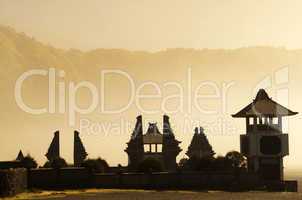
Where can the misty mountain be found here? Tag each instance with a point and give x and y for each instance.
(20, 52)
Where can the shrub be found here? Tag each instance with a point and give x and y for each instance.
(235, 160)
(232, 161)
(98, 165)
(56, 163)
(29, 162)
(197, 164)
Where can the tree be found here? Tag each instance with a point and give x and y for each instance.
(150, 165)
(232, 160)
(56, 163)
(29, 162)
(103, 163)
(196, 163)
(98, 165)
(235, 160)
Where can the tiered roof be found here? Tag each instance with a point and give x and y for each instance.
(200, 146)
(263, 105)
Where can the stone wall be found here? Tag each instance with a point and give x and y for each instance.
(12, 181)
(82, 178)
(188, 180)
(60, 179)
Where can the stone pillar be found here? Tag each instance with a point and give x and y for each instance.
(280, 123)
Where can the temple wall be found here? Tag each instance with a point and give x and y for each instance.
(82, 178)
(63, 178)
(12, 181)
(15, 181)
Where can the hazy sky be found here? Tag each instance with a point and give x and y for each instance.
(150, 25)
(157, 24)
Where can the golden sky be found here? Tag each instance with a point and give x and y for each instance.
(157, 24)
(150, 25)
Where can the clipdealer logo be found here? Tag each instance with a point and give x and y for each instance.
(188, 97)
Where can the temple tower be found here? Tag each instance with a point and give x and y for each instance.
(200, 146)
(153, 144)
(79, 152)
(264, 143)
(170, 147)
(135, 147)
(54, 148)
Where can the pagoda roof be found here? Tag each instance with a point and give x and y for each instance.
(200, 143)
(263, 105)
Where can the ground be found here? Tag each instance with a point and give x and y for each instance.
(94, 194)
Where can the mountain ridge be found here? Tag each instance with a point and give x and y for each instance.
(246, 67)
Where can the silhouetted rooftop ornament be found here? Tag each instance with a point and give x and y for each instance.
(153, 136)
(154, 144)
(263, 105)
(79, 154)
(54, 148)
(153, 129)
(20, 156)
(138, 130)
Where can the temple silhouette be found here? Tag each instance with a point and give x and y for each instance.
(264, 145)
(54, 148)
(200, 146)
(153, 144)
(79, 152)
